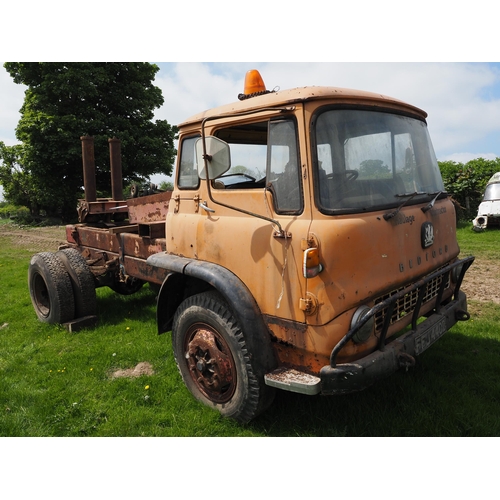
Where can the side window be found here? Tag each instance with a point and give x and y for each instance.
(188, 175)
(248, 143)
(283, 166)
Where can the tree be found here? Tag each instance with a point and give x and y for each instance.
(241, 169)
(17, 183)
(65, 101)
(166, 186)
(374, 169)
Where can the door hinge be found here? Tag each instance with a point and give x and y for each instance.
(177, 199)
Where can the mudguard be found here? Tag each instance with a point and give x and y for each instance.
(209, 275)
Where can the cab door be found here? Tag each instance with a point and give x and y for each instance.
(183, 213)
(257, 220)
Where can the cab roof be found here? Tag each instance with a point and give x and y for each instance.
(335, 95)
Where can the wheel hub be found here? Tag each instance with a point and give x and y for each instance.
(211, 364)
(41, 295)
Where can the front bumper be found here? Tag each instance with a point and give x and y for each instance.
(350, 377)
(389, 357)
(482, 222)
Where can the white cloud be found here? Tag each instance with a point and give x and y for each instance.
(11, 100)
(462, 100)
(190, 88)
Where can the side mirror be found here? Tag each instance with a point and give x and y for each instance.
(218, 157)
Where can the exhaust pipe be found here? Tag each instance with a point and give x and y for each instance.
(115, 160)
(88, 160)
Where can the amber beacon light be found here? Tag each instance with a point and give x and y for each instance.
(254, 85)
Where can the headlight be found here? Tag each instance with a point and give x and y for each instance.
(363, 334)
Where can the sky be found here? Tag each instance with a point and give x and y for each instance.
(462, 99)
(416, 56)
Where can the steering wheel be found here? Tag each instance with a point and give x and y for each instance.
(351, 175)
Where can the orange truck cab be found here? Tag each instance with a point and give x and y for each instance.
(310, 246)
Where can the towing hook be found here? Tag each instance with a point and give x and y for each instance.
(462, 315)
(405, 360)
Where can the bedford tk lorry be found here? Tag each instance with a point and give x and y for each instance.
(308, 245)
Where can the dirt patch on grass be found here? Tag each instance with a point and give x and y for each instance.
(143, 368)
(35, 239)
(482, 281)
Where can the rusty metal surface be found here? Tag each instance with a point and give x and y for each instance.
(293, 380)
(88, 161)
(128, 247)
(115, 160)
(101, 209)
(132, 244)
(210, 363)
(138, 268)
(152, 208)
(332, 95)
(416, 313)
(152, 230)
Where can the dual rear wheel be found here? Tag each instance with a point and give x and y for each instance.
(212, 353)
(61, 286)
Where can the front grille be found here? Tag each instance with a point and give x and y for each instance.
(406, 303)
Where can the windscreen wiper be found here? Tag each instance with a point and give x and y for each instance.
(431, 204)
(410, 196)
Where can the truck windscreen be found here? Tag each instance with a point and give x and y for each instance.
(367, 160)
(492, 192)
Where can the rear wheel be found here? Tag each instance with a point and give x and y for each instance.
(214, 360)
(82, 281)
(50, 289)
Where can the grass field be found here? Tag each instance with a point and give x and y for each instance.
(55, 383)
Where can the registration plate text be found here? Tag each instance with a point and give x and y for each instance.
(426, 338)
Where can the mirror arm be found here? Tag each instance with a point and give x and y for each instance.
(207, 158)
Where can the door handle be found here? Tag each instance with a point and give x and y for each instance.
(204, 206)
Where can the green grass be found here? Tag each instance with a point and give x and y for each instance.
(56, 383)
(484, 245)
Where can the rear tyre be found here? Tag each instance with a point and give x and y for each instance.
(82, 282)
(50, 289)
(213, 358)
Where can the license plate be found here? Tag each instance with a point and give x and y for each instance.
(426, 338)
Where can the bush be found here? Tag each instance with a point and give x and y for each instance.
(10, 211)
(466, 183)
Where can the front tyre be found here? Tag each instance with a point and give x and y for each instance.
(213, 358)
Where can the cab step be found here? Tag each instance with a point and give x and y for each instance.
(289, 379)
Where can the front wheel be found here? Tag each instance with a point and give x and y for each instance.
(213, 358)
